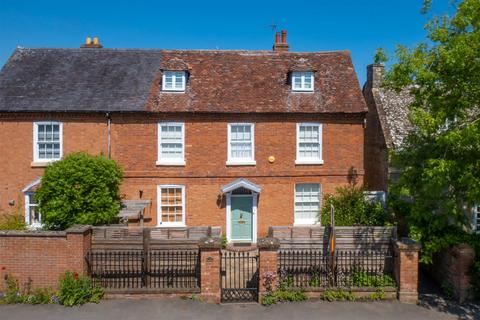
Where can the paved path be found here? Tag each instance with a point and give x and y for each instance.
(175, 308)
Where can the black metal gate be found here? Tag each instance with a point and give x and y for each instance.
(239, 276)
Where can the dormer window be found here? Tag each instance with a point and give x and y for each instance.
(173, 81)
(302, 81)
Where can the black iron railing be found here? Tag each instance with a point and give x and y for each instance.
(318, 269)
(130, 270)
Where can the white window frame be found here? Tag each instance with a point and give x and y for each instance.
(476, 218)
(159, 206)
(174, 77)
(240, 162)
(307, 161)
(302, 75)
(307, 222)
(35, 141)
(170, 162)
(29, 224)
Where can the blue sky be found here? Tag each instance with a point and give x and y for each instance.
(360, 26)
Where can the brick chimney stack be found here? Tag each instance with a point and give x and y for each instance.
(282, 45)
(89, 43)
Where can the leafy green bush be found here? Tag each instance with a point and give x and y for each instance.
(223, 241)
(351, 208)
(363, 279)
(79, 189)
(283, 295)
(379, 294)
(77, 290)
(12, 222)
(338, 295)
(13, 293)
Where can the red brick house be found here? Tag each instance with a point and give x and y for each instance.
(240, 139)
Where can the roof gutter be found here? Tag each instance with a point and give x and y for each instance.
(109, 123)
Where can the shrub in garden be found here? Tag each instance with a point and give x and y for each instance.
(79, 189)
(12, 222)
(283, 294)
(351, 208)
(77, 290)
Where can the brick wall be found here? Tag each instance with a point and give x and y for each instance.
(43, 256)
(406, 269)
(134, 146)
(451, 267)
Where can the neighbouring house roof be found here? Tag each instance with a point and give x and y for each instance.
(77, 80)
(241, 183)
(391, 106)
(128, 80)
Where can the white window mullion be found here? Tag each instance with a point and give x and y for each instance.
(47, 141)
(169, 199)
(302, 81)
(171, 143)
(241, 144)
(307, 203)
(309, 143)
(174, 80)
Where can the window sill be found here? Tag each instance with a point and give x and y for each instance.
(308, 162)
(307, 224)
(38, 164)
(241, 163)
(173, 91)
(169, 225)
(171, 163)
(302, 91)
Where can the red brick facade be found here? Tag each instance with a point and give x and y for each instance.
(134, 146)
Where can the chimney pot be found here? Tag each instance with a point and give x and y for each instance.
(91, 44)
(284, 36)
(281, 45)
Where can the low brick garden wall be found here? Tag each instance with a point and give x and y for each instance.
(41, 257)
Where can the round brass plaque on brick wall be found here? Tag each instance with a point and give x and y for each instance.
(271, 159)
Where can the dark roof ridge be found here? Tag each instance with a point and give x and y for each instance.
(158, 50)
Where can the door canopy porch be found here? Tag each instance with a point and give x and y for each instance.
(241, 183)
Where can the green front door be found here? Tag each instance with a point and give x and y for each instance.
(241, 215)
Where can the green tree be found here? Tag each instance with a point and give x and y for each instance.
(380, 56)
(79, 189)
(440, 159)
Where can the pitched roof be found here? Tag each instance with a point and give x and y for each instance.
(129, 80)
(76, 80)
(391, 107)
(393, 113)
(258, 81)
